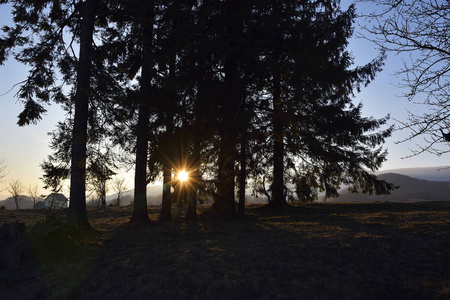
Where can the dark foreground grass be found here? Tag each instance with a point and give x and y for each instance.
(317, 251)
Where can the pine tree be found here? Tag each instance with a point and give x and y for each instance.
(320, 140)
(40, 27)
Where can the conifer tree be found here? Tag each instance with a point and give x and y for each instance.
(320, 140)
(39, 33)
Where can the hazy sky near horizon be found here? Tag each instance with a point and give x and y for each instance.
(24, 148)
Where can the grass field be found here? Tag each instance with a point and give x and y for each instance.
(316, 251)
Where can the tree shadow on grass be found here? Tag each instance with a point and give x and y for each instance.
(309, 252)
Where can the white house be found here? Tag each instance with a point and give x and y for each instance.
(56, 201)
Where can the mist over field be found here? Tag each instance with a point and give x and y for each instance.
(416, 184)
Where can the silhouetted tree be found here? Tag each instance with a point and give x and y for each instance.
(3, 170)
(99, 174)
(419, 29)
(16, 188)
(33, 193)
(119, 186)
(235, 18)
(77, 207)
(40, 32)
(319, 137)
(146, 20)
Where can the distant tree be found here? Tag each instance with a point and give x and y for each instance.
(119, 185)
(420, 29)
(33, 193)
(99, 174)
(16, 188)
(3, 170)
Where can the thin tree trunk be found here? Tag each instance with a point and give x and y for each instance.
(77, 208)
(167, 168)
(166, 195)
(194, 180)
(278, 197)
(179, 196)
(242, 172)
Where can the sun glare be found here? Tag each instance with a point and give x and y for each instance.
(183, 176)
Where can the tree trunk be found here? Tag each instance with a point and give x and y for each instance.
(166, 195)
(225, 202)
(167, 167)
(242, 173)
(140, 212)
(278, 197)
(179, 197)
(194, 180)
(77, 208)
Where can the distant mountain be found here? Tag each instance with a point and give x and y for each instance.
(429, 173)
(154, 196)
(411, 189)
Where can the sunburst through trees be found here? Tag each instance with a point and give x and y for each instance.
(252, 88)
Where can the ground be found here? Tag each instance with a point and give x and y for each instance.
(314, 251)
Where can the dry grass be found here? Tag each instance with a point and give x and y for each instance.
(317, 251)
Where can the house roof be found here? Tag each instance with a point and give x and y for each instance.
(56, 197)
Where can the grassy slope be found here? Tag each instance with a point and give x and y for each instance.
(318, 251)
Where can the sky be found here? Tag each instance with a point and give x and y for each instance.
(24, 148)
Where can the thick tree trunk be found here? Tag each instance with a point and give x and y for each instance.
(225, 202)
(77, 207)
(140, 212)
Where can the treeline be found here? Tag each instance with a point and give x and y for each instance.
(241, 93)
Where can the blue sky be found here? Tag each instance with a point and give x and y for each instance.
(25, 148)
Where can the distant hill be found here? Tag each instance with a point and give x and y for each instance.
(154, 196)
(411, 189)
(430, 173)
(25, 203)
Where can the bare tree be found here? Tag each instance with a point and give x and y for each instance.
(16, 188)
(3, 170)
(99, 174)
(119, 186)
(421, 28)
(33, 193)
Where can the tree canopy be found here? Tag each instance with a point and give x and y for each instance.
(222, 89)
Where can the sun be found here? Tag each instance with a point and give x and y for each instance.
(183, 176)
